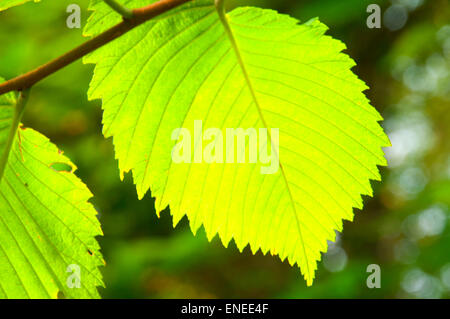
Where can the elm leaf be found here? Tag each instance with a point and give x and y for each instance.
(6, 4)
(47, 225)
(249, 68)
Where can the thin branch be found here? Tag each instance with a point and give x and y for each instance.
(140, 16)
(123, 11)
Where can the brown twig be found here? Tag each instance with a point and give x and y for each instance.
(140, 16)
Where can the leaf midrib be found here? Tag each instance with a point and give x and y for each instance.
(223, 17)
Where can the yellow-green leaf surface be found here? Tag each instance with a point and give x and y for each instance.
(252, 68)
(46, 221)
(6, 4)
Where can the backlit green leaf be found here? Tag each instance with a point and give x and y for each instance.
(5, 4)
(254, 68)
(47, 225)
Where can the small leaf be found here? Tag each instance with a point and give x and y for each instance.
(46, 221)
(46, 225)
(253, 68)
(6, 4)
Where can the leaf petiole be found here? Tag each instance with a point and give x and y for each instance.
(18, 113)
(123, 11)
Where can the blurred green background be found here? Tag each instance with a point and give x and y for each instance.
(405, 228)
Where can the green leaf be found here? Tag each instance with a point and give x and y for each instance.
(252, 68)
(6, 4)
(46, 221)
